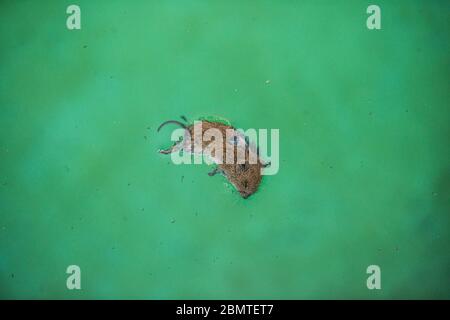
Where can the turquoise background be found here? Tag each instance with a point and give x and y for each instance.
(364, 175)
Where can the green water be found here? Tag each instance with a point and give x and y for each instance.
(364, 161)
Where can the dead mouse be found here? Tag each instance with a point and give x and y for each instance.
(244, 175)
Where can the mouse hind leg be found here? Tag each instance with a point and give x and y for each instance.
(176, 147)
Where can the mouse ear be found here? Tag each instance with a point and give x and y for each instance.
(265, 165)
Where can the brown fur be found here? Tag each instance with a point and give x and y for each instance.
(245, 177)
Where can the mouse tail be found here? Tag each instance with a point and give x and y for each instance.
(172, 121)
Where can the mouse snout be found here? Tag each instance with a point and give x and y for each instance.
(245, 194)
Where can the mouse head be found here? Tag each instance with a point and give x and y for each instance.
(247, 180)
